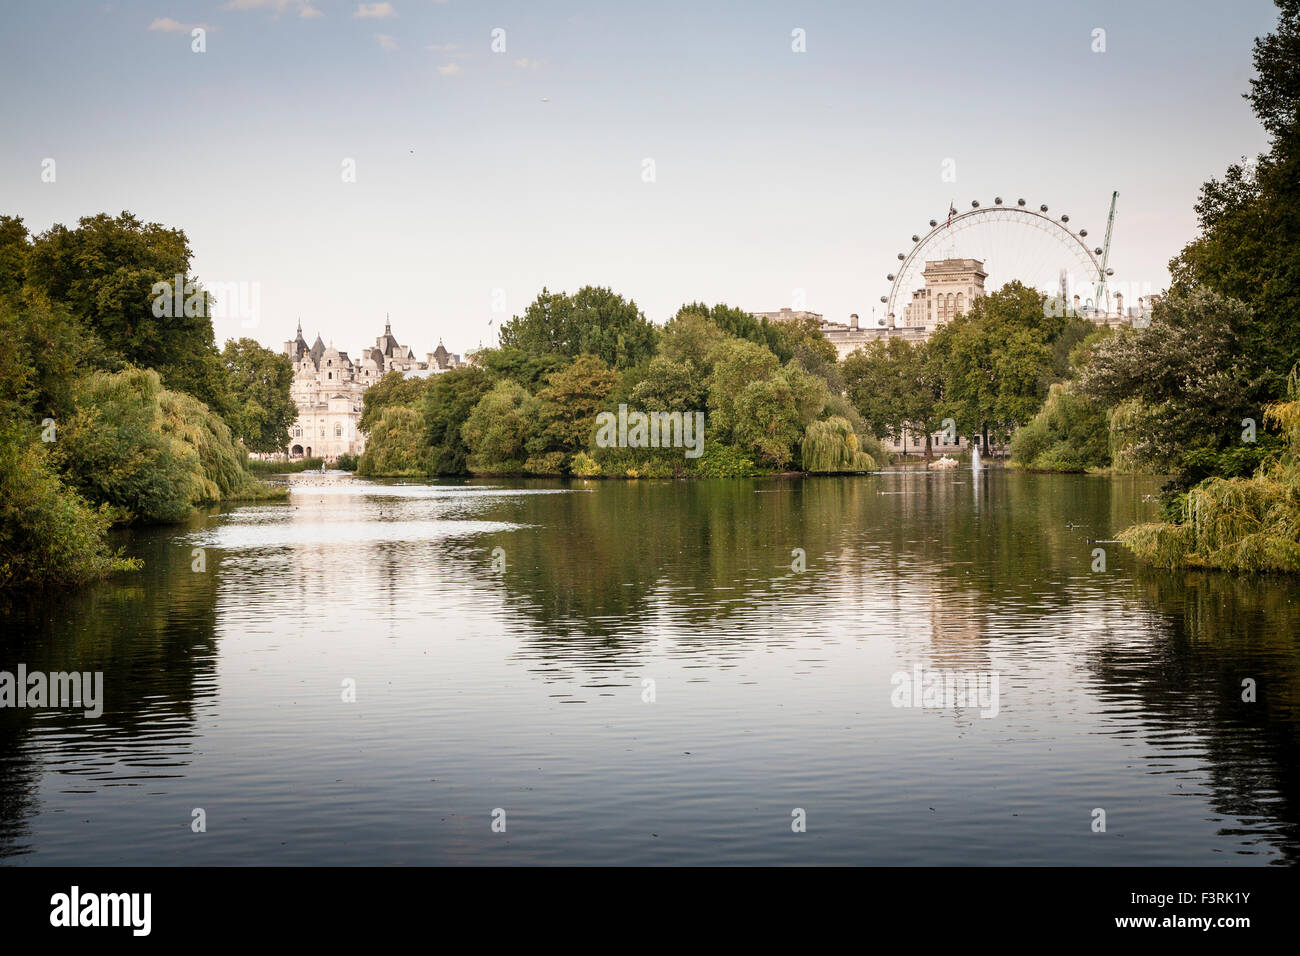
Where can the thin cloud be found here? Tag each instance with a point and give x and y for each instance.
(450, 69)
(527, 64)
(279, 6)
(168, 25)
(386, 41)
(452, 50)
(375, 11)
(305, 10)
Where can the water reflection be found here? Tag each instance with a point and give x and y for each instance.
(1120, 688)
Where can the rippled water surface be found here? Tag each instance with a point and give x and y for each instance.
(524, 687)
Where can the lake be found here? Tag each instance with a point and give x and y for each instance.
(655, 672)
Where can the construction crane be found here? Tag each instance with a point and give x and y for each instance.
(1104, 270)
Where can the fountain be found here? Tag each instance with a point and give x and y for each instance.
(975, 457)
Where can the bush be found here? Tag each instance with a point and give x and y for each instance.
(49, 534)
(346, 462)
(1236, 524)
(283, 466)
(584, 466)
(548, 463)
(1069, 433)
(722, 461)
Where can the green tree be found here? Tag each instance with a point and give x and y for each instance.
(497, 431)
(831, 447)
(669, 386)
(742, 325)
(49, 534)
(261, 407)
(104, 272)
(770, 415)
(805, 343)
(1186, 383)
(896, 387)
(567, 407)
(692, 337)
(520, 367)
(995, 362)
(1071, 432)
(393, 389)
(450, 400)
(593, 321)
(43, 351)
(397, 446)
(149, 452)
(736, 364)
(14, 244)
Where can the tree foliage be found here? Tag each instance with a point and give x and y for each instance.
(567, 407)
(49, 534)
(1070, 433)
(398, 445)
(896, 388)
(104, 272)
(497, 430)
(392, 389)
(149, 452)
(1236, 524)
(593, 321)
(261, 409)
(450, 400)
(1188, 385)
(997, 360)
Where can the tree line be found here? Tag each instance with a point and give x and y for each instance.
(770, 393)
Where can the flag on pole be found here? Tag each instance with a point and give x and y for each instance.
(952, 211)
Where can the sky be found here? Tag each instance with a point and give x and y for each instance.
(672, 151)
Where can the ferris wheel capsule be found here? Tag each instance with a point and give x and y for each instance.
(1097, 250)
(1020, 202)
(884, 298)
(933, 223)
(901, 256)
(1110, 272)
(1043, 208)
(997, 200)
(890, 277)
(1065, 219)
(1083, 233)
(974, 203)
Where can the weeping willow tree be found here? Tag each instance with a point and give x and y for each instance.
(1125, 444)
(832, 446)
(1237, 524)
(149, 453)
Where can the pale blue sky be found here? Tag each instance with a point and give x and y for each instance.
(478, 171)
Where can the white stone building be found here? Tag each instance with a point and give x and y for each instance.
(327, 388)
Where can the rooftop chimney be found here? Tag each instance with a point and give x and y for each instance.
(853, 321)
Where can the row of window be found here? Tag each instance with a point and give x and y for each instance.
(338, 431)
